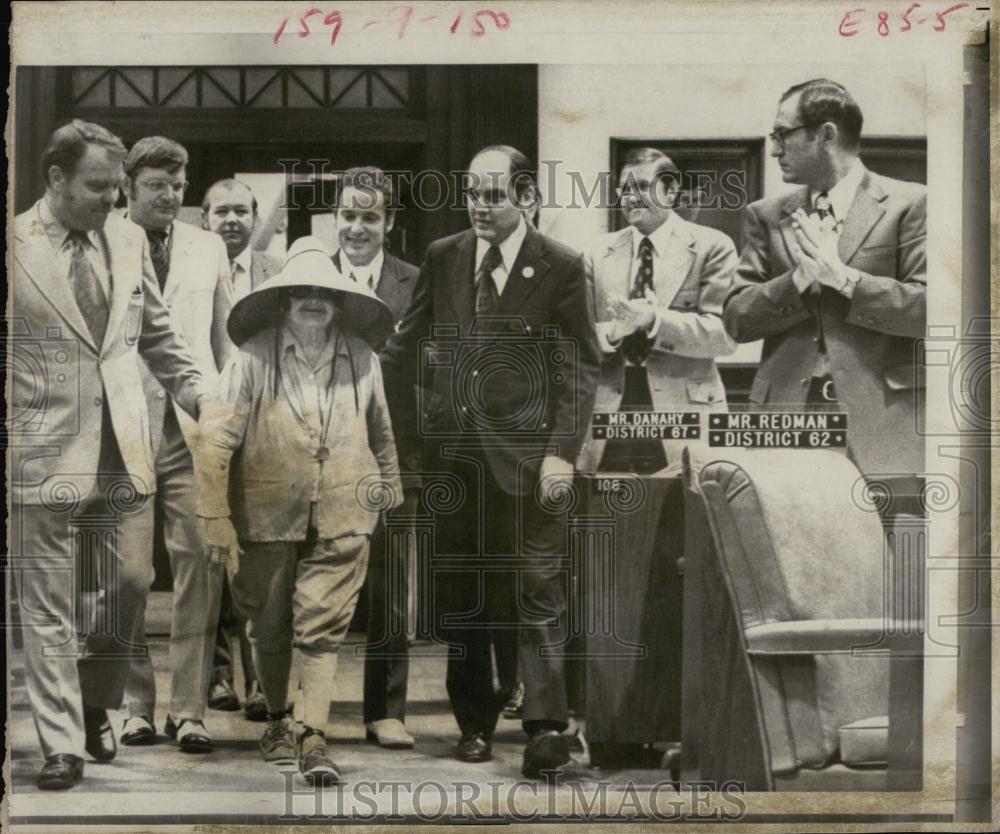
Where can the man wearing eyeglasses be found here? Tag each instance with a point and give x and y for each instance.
(189, 262)
(658, 287)
(833, 278)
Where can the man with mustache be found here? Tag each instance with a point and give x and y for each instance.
(84, 305)
(496, 309)
(188, 262)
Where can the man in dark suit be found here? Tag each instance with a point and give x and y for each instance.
(364, 217)
(500, 345)
(84, 306)
(833, 278)
(229, 209)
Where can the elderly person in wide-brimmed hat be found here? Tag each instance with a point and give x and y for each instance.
(303, 404)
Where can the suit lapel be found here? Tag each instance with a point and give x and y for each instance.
(120, 260)
(618, 266)
(180, 252)
(34, 252)
(462, 278)
(259, 271)
(390, 287)
(865, 211)
(527, 272)
(676, 262)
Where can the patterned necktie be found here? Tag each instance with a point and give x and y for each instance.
(487, 297)
(824, 210)
(160, 254)
(87, 290)
(636, 346)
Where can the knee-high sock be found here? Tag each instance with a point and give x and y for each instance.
(319, 670)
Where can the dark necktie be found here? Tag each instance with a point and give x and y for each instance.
(487, 297)
(635, 346)
(87, 290)
(160, 254)
(824, 210)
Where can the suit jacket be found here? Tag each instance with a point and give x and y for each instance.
(198, 265)
(871, 340)
(545, 351)
(262, 267)
(395, 284)
(59, 378)
(695, 277)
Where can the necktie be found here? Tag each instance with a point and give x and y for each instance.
(824, 210)
(160, 254)
(635, 346)
(87, 290)
(487, 297)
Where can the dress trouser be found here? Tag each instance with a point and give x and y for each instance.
(386, 655)
(196, 592)
(502, 569)
(232, 627)
(112, 526)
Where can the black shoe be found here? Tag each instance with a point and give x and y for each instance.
(138, 730)
(60, 772)
(100, 738)
(191, 735)
(546, 750)
(222, 696)
(255, 708)
(474, 748)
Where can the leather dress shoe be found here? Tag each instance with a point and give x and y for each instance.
(255, 708)
(474, 748)
(60, 772)
(138, 730)
(546, 750)
(389, 733)
(191, 735)
(222, 696)
(99, 737)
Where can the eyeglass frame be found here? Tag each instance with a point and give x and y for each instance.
(777, 137)
(158, 186)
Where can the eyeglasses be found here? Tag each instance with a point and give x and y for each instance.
(778, 137)
(305, 292)
(160, 186)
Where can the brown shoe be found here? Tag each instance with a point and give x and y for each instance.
(315, 763)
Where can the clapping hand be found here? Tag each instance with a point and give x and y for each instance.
(632, 314)
(818, 259)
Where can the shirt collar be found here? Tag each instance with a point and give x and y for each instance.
(372, 269)
(243, 260)
(842, 194)
(55, 230)
(508, 249)
(658, 237)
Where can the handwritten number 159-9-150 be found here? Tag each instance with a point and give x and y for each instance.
(477, 24)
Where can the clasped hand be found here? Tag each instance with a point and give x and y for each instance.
(222, 544)
(818, 260)
(630, 315)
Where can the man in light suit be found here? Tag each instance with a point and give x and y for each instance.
(833, 278)
(365, 215)
(84, 305)
(657, 288)
(188, 264)
(229, 209)
(500, 343)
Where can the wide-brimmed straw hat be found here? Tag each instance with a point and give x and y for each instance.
(308, 264)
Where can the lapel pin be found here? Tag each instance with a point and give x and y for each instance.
(528, 272)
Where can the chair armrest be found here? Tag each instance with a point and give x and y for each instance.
(816, 636)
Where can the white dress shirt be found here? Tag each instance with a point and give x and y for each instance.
(369, 274)
(842, 194)
(240, 267)
(62, 248)
(508, 254)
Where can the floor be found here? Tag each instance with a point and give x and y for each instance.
(232, 784)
